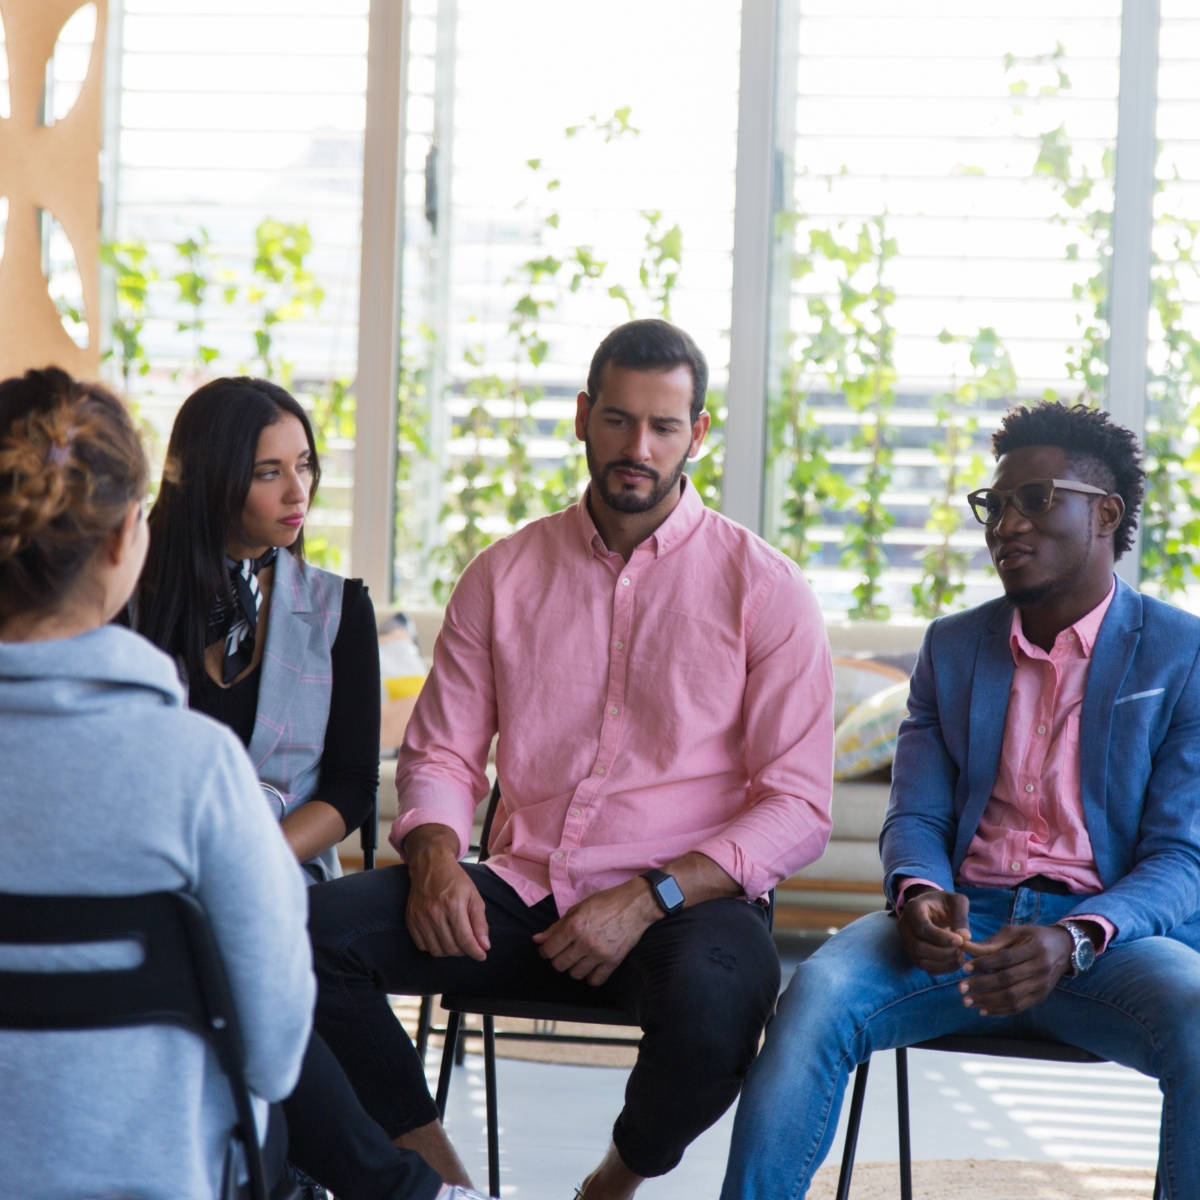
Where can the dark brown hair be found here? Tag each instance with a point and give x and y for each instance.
(71, 464)
(209, 468)
(650, 345)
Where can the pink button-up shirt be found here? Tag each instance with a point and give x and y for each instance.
(1033, 823)
(680, 701)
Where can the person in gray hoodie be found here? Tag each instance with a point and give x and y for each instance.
(110, 786)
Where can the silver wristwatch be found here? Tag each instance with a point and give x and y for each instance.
(1084, 953)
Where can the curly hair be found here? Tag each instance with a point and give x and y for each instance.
(71, 464)
(1098, 452)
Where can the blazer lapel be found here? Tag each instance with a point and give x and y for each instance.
(287, 648)
(989, 707)
(1112, 656)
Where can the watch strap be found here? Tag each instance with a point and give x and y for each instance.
(656, 878)
(1078, 937)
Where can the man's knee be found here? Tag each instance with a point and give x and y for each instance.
(719, 982)
(342, 910)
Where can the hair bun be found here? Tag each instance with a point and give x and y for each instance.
(35, 475)
(71, 463)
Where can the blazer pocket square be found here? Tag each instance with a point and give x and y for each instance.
(1139, 696)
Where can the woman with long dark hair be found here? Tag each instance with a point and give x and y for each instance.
(283, 653)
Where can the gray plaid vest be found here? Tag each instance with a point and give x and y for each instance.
(295, 688)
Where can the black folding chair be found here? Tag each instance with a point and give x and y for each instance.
(953, 1044)
(181, 981)
(368, 836)
(488, 1008)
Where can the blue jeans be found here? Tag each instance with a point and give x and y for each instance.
(1139, 1005)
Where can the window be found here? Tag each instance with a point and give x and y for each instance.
(233, 245)
(549, 195)
(948, 180)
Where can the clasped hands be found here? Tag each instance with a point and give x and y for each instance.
(1014, 969)
(445, 913)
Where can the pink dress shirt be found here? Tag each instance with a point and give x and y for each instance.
(680, 701)
(1034, 823)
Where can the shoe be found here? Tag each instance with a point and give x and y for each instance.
(458, 1192)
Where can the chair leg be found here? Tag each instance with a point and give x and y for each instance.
(424, 1021)
(452, 1039)
(493, 1111)
(856, 1107)
(902, 1113)
(1158, 1187)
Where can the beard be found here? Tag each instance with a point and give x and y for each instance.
(630, 502)
(1031, 597)
(1068, 579)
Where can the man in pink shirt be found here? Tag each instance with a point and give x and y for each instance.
(1041, 849)
(661, 685)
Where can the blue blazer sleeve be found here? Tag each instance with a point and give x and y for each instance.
(921, 824)
(1162, 890)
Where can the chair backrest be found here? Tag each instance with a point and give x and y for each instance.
(488, 820)
(181, 981)
(368, 835)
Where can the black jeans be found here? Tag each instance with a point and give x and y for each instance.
(701, 984)
(330, 1137)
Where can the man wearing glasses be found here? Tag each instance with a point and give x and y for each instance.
(1042, 846)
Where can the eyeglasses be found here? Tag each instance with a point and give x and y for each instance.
(1030, 499)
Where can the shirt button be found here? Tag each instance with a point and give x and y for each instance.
(559, 854)
(599, 770)
(577, 812)
(624, 582)
(612, 712)
(1015, 866)
(620, 645)
(1029, 787)
(1070, 637)
(1041, 729)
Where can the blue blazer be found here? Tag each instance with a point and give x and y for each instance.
(1139, 759)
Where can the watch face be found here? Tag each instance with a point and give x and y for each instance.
(670, 893)
(1085, 954)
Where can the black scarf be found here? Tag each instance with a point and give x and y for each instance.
(234, 618)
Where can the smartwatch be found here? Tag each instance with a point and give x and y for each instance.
(1084, 953)
(667, 892)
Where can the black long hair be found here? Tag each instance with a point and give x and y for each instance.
(206, 479)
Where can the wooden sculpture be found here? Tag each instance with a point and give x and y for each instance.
(54, 168)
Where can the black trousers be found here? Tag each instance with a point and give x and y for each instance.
(330, 1137)
(701, 985)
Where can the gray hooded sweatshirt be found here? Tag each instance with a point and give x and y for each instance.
(110, 786)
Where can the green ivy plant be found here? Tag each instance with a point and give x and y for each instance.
(132, 276)
(1170, 519)
(943, 568)
(852, 351)
(282, 288)
(193, 279)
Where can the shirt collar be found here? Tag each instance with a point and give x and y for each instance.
(1086, 629)
(684, 517)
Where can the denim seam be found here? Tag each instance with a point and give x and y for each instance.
(883, 1008)
(1165, 1125)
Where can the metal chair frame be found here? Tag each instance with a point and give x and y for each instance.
(952, 1044)
(181, 982)
(458, 1006)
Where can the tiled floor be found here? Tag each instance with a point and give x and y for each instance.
(555, 1119)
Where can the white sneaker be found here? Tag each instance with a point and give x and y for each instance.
(461, 1193)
